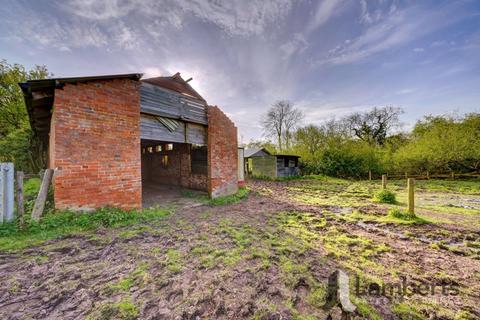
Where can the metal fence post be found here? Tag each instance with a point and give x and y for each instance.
(6, 192)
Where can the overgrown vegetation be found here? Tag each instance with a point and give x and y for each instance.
(366, 142)
(18, 144)
(385, 196)
(57, 224)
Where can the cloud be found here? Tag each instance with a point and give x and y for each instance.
(99, 10)
(234, 17)
(323, 13)
(297, 44)
(418, 50)
(405, 91)
(398, 28)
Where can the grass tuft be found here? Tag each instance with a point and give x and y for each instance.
(385, 196)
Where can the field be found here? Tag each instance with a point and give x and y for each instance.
(264, 256)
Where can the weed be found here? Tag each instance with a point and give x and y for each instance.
(401, 214)
(55, 225)
(241, 194)
(124, 310)
(385, 196)
(174, 261)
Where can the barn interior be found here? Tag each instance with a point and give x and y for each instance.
(169, 169)
(173, 130)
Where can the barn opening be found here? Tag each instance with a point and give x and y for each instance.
(173, 139)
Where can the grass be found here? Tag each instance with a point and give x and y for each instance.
(405, 311)
(31, 187)
(241, 194)
(385, 196)
(55, 225)
(124, 309)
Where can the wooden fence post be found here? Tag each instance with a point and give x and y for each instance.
(20, 206)
(411, 196)
(370, 175)
(42, 195)
(384, 181)
(453, 175)
(428, 175)
(406, 175)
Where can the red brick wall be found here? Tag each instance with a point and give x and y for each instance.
(178, 170)
(95, 145)
(222, 154)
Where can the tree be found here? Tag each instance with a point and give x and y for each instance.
(373, 126)
(17, 141)
(280, 122)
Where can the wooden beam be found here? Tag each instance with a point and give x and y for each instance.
(42, 195)
(20, 206)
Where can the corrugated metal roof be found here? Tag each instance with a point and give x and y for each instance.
(175, 83)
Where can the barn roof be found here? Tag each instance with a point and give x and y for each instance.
(175, 83)
(39, 95)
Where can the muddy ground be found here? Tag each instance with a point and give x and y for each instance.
(267, 257)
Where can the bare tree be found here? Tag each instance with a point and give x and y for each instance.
(280, 122)
(373, 126)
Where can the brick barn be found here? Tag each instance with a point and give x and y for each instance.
(111, 137)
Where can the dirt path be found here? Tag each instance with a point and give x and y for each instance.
(266, 258)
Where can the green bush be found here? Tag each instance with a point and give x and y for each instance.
(401, 214)
(385, 196)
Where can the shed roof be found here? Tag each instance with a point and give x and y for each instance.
(250, 152)
(175, 83)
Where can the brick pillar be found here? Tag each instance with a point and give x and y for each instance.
(222, 154)
(95, 145)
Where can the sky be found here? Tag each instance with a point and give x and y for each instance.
(329, 58)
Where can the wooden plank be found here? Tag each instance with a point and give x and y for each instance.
(42, 195)
(20, 205)
(158, 101)
(384, 181)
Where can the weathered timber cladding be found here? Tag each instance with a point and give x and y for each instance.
(287, 166)
(96, 145)
(265, 166)
(152, 129)
(157, 101)
(222, 154)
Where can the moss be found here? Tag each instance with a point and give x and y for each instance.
(123, 310)
(292, 270)
(405, 311)
(174, 261)
(365, 309)
(317, 296)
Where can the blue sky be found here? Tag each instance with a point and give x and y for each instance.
(328, 57)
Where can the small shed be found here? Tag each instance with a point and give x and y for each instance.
(259, 162)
